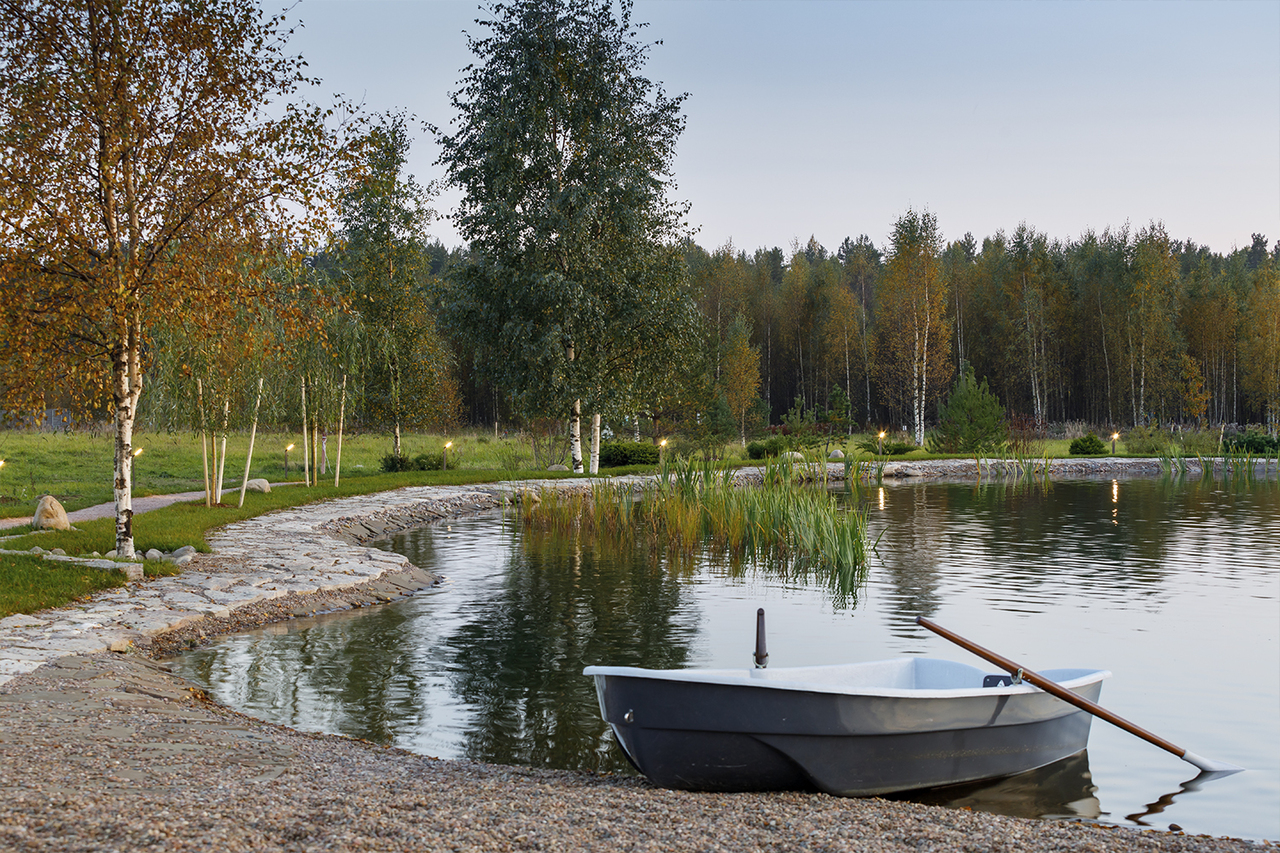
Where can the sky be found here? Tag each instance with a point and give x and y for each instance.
(832, 119)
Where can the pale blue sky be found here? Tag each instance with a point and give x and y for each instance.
(832, 118)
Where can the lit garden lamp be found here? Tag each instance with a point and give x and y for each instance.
(137, 453)
(1114, 436)
(662, 451)
(447, 445)
(880, 444)
(287, 448)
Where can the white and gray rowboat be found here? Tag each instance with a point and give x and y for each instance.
(851, 730)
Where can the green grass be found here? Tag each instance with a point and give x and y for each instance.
(28, 584)
(76, 468)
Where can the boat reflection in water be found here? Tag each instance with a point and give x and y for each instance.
(1063, 789)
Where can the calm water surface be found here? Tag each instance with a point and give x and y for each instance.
(1174, 587)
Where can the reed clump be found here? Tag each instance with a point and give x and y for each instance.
(695, 505)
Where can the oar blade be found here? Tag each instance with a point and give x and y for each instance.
(1208, 765)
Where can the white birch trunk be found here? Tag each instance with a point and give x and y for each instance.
(595, 443)
(575, 436)
(127, 382)
(342, 412)
(306, 446)
(222, 457)
(204, 444)
(253, 434)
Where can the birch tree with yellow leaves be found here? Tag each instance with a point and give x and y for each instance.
(152, 156)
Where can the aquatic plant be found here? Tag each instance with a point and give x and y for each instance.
(692, 505)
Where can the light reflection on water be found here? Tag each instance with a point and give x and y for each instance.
(1172, 586)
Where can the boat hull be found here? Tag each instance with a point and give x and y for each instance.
(758, 735)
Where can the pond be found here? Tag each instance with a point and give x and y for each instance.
(1172, 585)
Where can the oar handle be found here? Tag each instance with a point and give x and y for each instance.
(1052, 687)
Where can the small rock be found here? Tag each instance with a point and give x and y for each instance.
(836, 454)
(557, 468)
(58, 552)
(258, 485)
(50, 515)
(793, 456)
(120, 645)
(112, 554)
(36, 549)
(154, 554)
(185, 550)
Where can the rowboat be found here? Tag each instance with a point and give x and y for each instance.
(857, 729)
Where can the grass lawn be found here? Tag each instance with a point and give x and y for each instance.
(28, 584)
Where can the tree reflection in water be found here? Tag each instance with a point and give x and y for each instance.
(564, 603)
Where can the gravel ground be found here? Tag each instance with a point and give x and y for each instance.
(109, 752)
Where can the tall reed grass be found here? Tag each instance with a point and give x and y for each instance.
(779, 525)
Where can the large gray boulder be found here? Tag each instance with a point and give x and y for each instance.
(258, 485)
(50, 515)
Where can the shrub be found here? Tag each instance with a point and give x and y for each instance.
(392, 464)
(1255, 443)
(428, 462)
(1090, 445)
(1148, 441)
(617, 454)
(874, 446)
(768, 448)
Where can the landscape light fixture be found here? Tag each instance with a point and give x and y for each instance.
(287, 448)
(880, 444)
(137, 453)
(1114, 436)
(447, 445)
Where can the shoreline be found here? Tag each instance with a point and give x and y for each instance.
(107, 750)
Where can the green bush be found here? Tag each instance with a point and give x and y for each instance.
(1090, 445)
(1254, 443)
(392, 464)
(768, 448)
(618, 454)
(428, 462)
(874, 446)
(1147, 441)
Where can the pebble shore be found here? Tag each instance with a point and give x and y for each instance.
(103, 749)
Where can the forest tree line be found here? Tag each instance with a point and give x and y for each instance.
(1116, 329)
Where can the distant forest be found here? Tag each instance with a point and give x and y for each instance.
(1116, 329)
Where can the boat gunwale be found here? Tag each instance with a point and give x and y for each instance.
(745, 678)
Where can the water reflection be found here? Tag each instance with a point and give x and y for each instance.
(1063, 789)
(519, 656)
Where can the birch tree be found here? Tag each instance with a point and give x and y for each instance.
(911, 320)
(574, 287)
(149, 152)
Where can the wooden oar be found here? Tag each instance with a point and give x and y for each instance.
(1205, 764)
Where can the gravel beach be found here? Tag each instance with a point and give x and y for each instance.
(109, 751)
